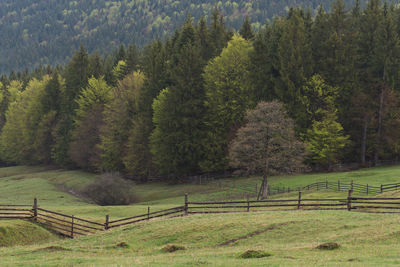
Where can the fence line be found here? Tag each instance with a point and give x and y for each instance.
(71, 226)
(339, 186)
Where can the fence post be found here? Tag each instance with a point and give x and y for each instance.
(248, 203)
(106, 227)
(317, 186)
(72, 226)
(338, 185)
(35, 206)
(382, 188)
(186, 204)
(367, 189)
(351, 185)
(148, 213)
(299, 202)
(326, 184)
(349, 200)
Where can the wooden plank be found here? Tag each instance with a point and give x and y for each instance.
(144, 219)
(69, 216)
(180, 208)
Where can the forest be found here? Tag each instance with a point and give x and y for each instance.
(173, 108)
(49, 31)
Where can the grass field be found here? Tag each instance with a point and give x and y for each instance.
(290, 237)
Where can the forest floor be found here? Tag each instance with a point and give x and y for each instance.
(289, 238)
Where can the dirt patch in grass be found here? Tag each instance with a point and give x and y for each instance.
(270, 228)
(52, 249)
(254, 254)
(122, 245)
(172, 248)
(19, 178)
(328, 246)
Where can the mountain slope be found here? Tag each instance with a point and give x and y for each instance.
(48, 31)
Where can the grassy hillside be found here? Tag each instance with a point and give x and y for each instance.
(19, 232)
(290, 237)
(59, 189)
(218, 240)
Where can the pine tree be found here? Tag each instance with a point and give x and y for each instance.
(76, 78)
(178, 111)
(246, 30)
(295, 63)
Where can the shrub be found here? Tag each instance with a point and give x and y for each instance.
(110, 189)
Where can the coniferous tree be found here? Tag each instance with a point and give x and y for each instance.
(295, 63)
(76, 78)
(178, 111)
(246, 31)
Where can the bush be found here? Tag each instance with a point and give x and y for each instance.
(110, 189)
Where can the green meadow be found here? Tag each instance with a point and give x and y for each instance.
(288, 238)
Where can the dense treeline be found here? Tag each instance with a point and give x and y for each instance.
(174, 107)
(47, 32)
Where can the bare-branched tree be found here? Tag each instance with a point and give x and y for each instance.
(267, 144)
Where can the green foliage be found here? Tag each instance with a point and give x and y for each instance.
(44, 33)
(176, 143)
(76, 78)
(118, 116)
(23, 118)
(88, 121)
(325, 140)
(228, 96)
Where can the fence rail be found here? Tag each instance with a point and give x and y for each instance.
(71, 226)
(338, 186)
(368, 204)
(144, 217)
(15, 211)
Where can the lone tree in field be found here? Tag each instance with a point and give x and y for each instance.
(266, 143)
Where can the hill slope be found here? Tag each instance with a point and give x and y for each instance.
(48, 31)
(290, 237)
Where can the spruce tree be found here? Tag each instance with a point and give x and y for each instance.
(178, 111)
(246, 30)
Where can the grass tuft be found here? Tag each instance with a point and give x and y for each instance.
(254, 254)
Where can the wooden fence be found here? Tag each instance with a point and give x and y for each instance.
(339, 186)
(143, 217)
(71, 226)
(366, 204)
(15, 211)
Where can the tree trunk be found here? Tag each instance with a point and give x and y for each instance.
(265, 179)
(364, 140)
(265, 187)
(379, 131)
